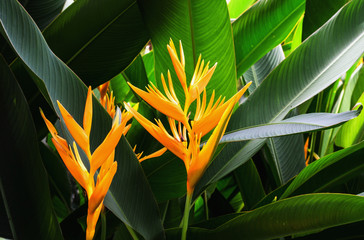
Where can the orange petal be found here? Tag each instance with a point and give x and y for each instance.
(176, 147)
(166, 107)
(154, 155)
(87, 115)
(76, 130)
(53, 131)
(101, 189)
(71, 164)
(199, 165)
(92, 218)
(100, 155)
(200, 84)
(177, 64)
(208, 122)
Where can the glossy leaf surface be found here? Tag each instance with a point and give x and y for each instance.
(63, 85)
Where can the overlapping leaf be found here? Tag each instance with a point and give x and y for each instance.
(63, 85)
(308, 70)
(23, 179)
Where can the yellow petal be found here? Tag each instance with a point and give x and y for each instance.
(199, 165)
(76, 130)
(101, 189)
(87, 115)
(209, 121)
(166, 107)
(176, 147)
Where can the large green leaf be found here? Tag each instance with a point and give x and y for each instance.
(286, 152)
(237, 7)
(262, 27)
(297, 124)
(105, 46)
(265, 65)
(63, 85)
(43, 11)
(250, 184)
(23, 179)
(300, 214)
(352, 131)
(328, 171)
(314, 19)
(201, 32)
(308, 70)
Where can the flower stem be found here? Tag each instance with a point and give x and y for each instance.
(103, 225)
(186, 215)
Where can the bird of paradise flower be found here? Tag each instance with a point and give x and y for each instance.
(186, 135)
(102, 158)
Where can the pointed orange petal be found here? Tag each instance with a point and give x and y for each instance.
(201, 84)
(101, 188)
(168, 108)
(53, 131)
(208, 122)
(177, 64)
(102, 152)
(199, 165)
(71, 164)
(176, 147)
(87, 115)
(76, 130)
(154, 155)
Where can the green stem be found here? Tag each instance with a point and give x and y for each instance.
(103, 226)
(132, 232)
(186, 215)
(206, 205)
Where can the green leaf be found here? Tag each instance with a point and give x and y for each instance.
(262, 27)
(105, 46)
(328, 171)
(260, 70)
(23, 182)
(297, 124)
(359, 87)
(312, 67)
(63, 85)
(314, 19)
(237, 7)
(286, 152)
(43, 11)
(250, 184)
(294, 215)
(201, 32)
(166, 176)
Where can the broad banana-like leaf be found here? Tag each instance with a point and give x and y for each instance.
(204, 28)
(23, 179)
(132, 201)
(262, 27)
(312, 67)
(297, 124)
(328, 171)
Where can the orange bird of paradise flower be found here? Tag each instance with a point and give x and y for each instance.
(102, 158)
(186, 135)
